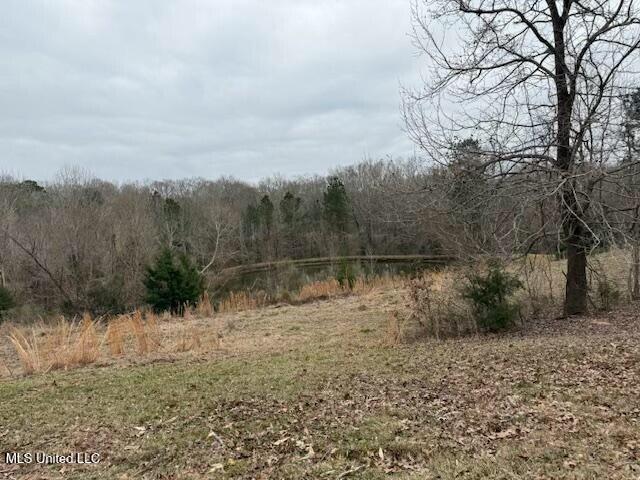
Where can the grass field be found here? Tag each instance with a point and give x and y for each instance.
(312, 391)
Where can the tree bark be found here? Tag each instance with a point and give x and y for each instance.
(575, 302)
(576, 289)
(635, 271)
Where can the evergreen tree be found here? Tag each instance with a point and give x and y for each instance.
(265, 213)
(290, 214)
(289, 207)
(172, 283)
(336, 206)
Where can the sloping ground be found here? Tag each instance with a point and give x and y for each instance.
(311, 392)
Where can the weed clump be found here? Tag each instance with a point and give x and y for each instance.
(436, 303)
(346, 276)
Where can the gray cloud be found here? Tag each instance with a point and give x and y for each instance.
(159, 89)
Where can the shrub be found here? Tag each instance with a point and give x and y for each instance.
(436, 303)
(107, 298)
(6, 301)
(173, 284)
(489, 294)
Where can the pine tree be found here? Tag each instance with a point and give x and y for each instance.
(336, 206)
(290, 215)
(265, 211)
(171, 284)
(289, 207)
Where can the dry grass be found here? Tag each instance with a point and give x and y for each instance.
(204, 308)
(364, 285)
(544, 279)
(146, 332)
(152, 326)
(115, 335)
(86, 348)
(26, 347)
(436, 302)
(241, 301)
(394, 331)
(139, 333)
(5, 369)
(66, 345)
(189, 339)
(320, 290)
(138, 336)
(558, 400)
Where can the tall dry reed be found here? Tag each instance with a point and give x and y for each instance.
(204, 308)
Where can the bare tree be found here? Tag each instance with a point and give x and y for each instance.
(533, 82)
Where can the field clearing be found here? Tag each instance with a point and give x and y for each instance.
(312, 391)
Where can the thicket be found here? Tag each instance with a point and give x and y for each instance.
(465, 300)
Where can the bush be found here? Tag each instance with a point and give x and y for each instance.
(173, 283)
(106, 298)
(489, 296)
(436, 303)
(6, 301)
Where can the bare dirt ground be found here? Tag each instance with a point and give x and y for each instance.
(313, 391)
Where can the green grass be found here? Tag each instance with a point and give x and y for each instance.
(559, 406)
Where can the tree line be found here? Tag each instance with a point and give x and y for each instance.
(79, 243)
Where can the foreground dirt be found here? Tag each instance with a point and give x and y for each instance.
(313, 392)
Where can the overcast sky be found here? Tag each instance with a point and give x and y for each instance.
(153, 89)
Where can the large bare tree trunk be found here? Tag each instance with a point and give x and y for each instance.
(576, 289)
(635, 271)
(576, 286)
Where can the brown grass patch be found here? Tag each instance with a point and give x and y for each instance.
(28, 352)
(188, 339)
(394, 331)
(146, 332)
(204, 308)
(64, 346)
(319, 290)
(115, 335)
(86, 348)
(241, 301)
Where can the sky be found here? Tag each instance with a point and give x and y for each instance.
(161, 89)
